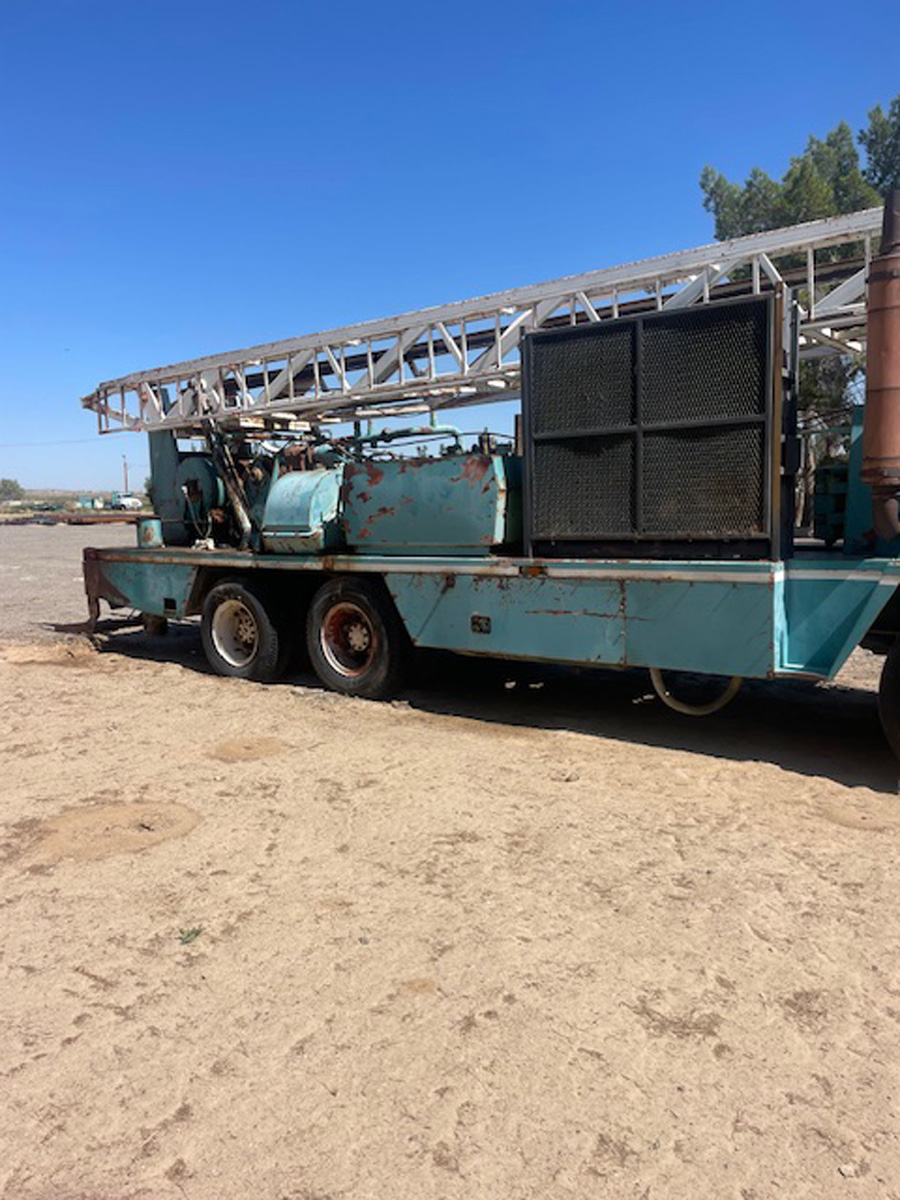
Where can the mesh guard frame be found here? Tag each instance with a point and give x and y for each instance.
(674, 457)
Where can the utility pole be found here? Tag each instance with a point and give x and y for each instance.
(125, 471)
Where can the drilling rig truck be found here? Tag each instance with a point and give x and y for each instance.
(640, 513)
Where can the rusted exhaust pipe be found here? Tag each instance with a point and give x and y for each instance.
(881, 425)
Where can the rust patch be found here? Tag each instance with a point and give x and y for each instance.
(373, 474)
(413, 464)
(97, 586)
(475, 468)
(563, 612)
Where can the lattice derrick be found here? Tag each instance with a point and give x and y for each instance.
(468, 352)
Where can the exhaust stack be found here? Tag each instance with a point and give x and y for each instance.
(881, 426)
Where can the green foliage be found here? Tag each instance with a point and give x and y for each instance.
(881, 142)
(11, 489)
(148, 489)
(825, 179)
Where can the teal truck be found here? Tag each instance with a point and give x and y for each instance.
(637, 509)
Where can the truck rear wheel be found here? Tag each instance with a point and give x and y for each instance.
(240, 638)
(356, 641)
(889, 698)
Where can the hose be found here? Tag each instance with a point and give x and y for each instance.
(694, 710)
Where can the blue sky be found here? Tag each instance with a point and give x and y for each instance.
(182, 178)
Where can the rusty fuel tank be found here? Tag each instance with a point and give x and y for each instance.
(881, 428)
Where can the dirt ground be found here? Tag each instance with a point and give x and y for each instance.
(529, 937)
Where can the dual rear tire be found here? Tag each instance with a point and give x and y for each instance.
(242, 634)
(355, 639)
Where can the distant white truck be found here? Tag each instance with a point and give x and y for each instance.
(130, 503)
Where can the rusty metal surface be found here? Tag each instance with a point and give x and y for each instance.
(148, 586)
(718, 617)
(97, 585)
(70, 518)
(150, 532)
(881, 439)
(463, 503)
(116, 518)
(881, 432)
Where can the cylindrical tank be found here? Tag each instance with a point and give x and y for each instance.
(881, 428)
(302, 514)
(149, 532)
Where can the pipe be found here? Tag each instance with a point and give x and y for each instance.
(233, 488)
(881, 425)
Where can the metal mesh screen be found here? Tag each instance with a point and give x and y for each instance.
(695, 481)
(705, 363)
(588, 484)
(652, 428)
(585, 382)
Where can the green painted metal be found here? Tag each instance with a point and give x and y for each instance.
(824, 607)
(860, 537)
(830, 501)
(715, 626)
(464, 503)
(302, 512)
(149, 532)
(638, 616)
(168, 502)
(161, 589)
(756, 620)
(434, 530)
(736, 618)
(200, 489)
(574, 621)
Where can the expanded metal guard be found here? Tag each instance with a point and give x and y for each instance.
(655, 429)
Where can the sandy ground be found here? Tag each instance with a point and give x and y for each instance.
(487, 941)
(40, 575)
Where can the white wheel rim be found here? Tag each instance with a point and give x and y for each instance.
(235, 633)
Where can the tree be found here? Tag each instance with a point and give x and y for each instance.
(824, 180)
(881, 142)
(11, 489)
